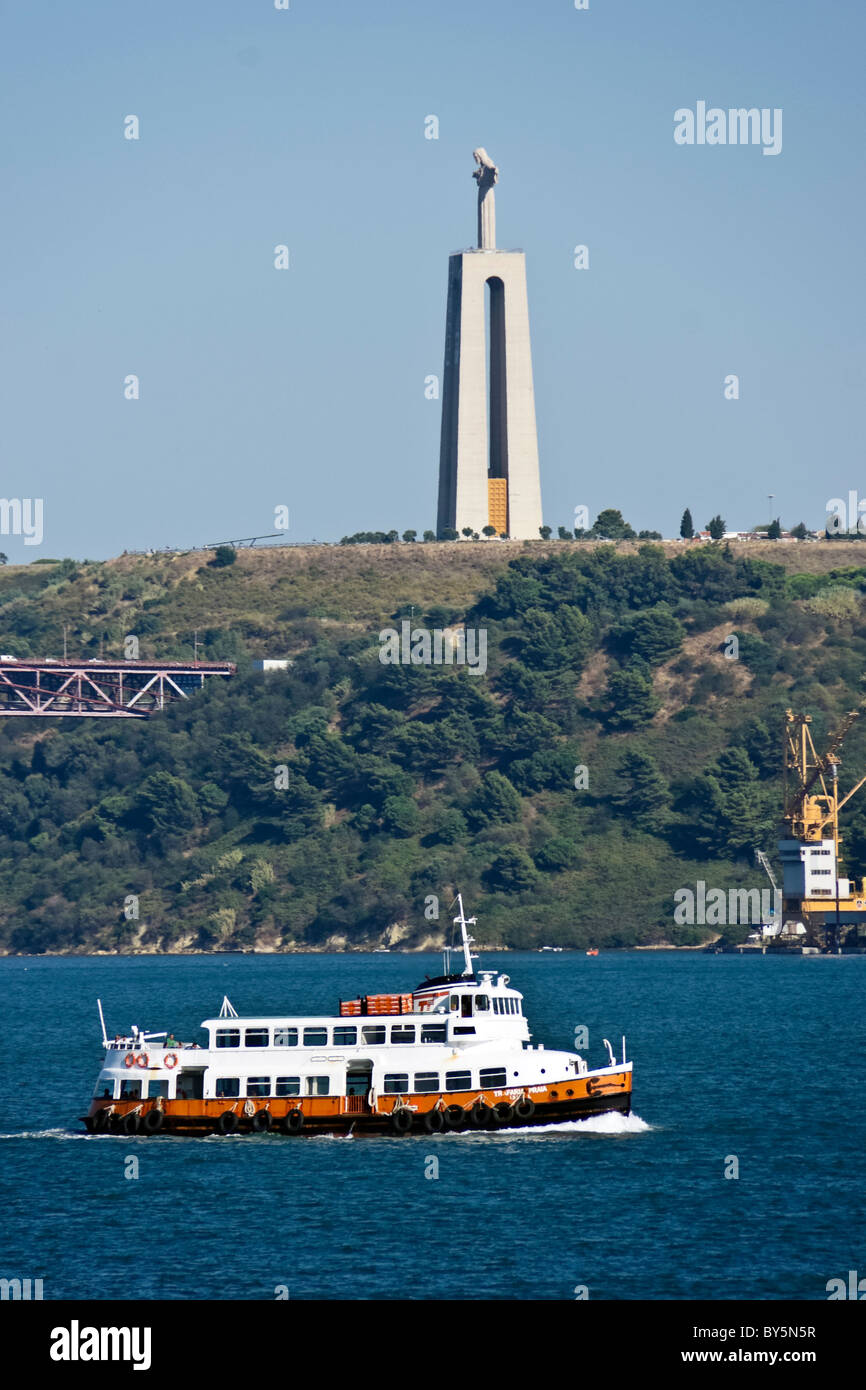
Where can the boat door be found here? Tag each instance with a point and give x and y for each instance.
(190, 1083)
(359, 1079)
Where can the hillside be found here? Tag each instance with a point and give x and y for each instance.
(325, 807)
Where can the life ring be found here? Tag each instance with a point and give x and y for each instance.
(170, 1061)
(261, 1122)
(525, 1108)
(153, 1121)
(293, 1122)
(401, 1120)
(480, 1114)
(434, 1121)
(455, 1116)
(142, 1060)
(129, 1060)
(227, 1122)
(503, 1113)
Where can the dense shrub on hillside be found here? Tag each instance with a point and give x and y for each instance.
(601, 760)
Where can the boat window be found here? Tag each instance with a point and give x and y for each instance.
(256, 1037)
(345, 1037)
(397, 1083)
(157, 1088)
(288, 1086)
(434, 1032)
(373, 1035)
(285, 1037)
(258, 1086)
(318, 1085)
(427, 1081)
(104, 1088)
(228, 1037)
(466, 1006)
(130, 1090)
(454, 1003)
(315, 1037)
(458, 1081)
(228, 1087)
(400, 1033)
(492, 1076)
(496, 1003)
(482, 1003)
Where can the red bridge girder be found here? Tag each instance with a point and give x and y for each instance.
(100, 689)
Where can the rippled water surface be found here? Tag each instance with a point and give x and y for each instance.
(759, 1060)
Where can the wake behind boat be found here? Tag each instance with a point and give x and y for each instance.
(454, 1053)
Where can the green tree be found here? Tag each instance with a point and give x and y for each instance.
(512, 871)
(211, 799)
(774, 530)
(611, 525)
(631, 700)
(497, 803)
(687, 526)
(167, 804)
(717, 527)
(224, 555)
(799, 531)
(654, 634)
(410, 535)
(489, 530)
(556, 854)
(400, 816)
(644, 797)
(545, 532)
(429, 535)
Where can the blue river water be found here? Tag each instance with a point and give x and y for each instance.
(754, 1060)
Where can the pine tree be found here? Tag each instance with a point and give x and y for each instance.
(645, 798)
(687, 526)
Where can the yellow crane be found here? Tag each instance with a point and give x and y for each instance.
(810, 847)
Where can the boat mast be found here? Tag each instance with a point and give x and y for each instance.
(463, 922)
(102, 1021)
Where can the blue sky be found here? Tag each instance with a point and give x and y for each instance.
(305, 387)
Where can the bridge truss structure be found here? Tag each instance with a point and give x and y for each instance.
(100, 689)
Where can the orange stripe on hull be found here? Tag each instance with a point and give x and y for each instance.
(561, 1100)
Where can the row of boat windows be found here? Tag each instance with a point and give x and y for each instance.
(464, 1002)
(395, 1083)
(372, 1035)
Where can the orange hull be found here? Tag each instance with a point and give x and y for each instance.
(576, 1098)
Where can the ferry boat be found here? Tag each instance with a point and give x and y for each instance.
(452, 1054)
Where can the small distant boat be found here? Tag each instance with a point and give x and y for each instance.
(550, 948)
(593, 951)
(381, 950)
